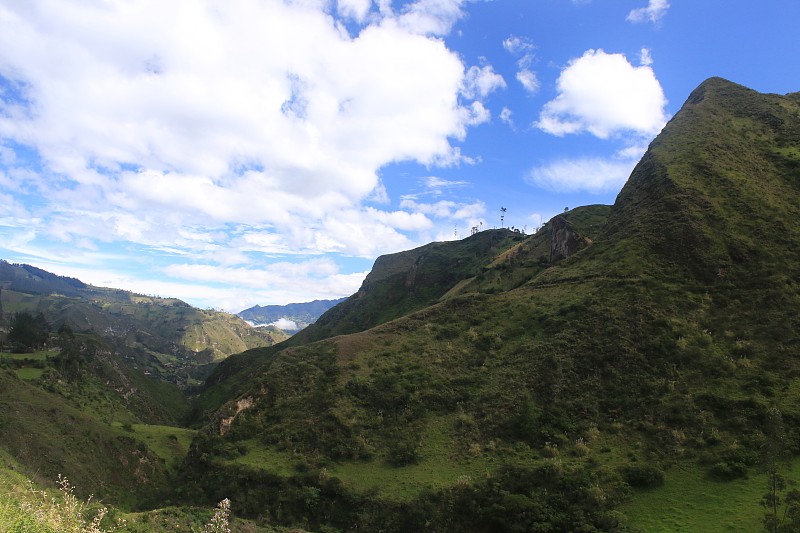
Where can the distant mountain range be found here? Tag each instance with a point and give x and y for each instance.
(290, 317)
(163, 337)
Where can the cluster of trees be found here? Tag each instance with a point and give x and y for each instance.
(28, 333)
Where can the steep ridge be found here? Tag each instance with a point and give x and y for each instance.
(715, 193)
(408, 281)
(671, 338)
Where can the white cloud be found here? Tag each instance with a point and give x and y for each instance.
(277, 283)
(653, 12)
(441, 209)
(590, 174)
(518, 45)
(156, 118)
(285, 324)
(645, 57)
(604, 94)
(446, 209)
(434, 182)
(523, 49)
(7, 155)
(506, 116)
(431, 17)
(632, 152)
(479, 82)
(528, 80)
(477, 114)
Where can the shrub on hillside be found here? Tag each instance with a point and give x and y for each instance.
(642, 476)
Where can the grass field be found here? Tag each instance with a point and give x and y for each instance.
(41, 355)
(37, 359)
(436, 468)
(262, 458)
(167, 442)
(29, 373)
(690, 502)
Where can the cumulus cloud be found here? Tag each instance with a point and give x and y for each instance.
(446, 209)
(434, 17)
(518, 45)
(653, 12)
(216, 134)
(604, 95)
(479, 82)
(506, 115)
(285, 324)
(477, 114)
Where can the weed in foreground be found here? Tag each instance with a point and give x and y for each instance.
(219, 522)
(67, 514)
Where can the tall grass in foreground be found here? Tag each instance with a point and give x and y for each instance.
(35, 511)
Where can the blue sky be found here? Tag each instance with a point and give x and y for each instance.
(267, 151)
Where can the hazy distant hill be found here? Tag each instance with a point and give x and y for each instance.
(301, 314)
(164, 337)
(529, 384)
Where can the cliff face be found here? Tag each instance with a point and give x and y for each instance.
(565, 241)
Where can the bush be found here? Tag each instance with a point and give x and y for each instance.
(402, 452)
(642, 476)
(727, 471)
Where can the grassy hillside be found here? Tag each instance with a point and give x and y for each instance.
(84, 405)
(542, 379)
(163, 337)
(49, 435)
(408, 281)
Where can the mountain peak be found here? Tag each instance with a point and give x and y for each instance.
(722, 170)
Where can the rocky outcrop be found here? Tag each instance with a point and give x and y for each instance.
(240, 405)
(565, 240)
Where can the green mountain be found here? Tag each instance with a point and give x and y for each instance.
(409, 281)
(510, 383)
(302, 314)
(163, 337)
